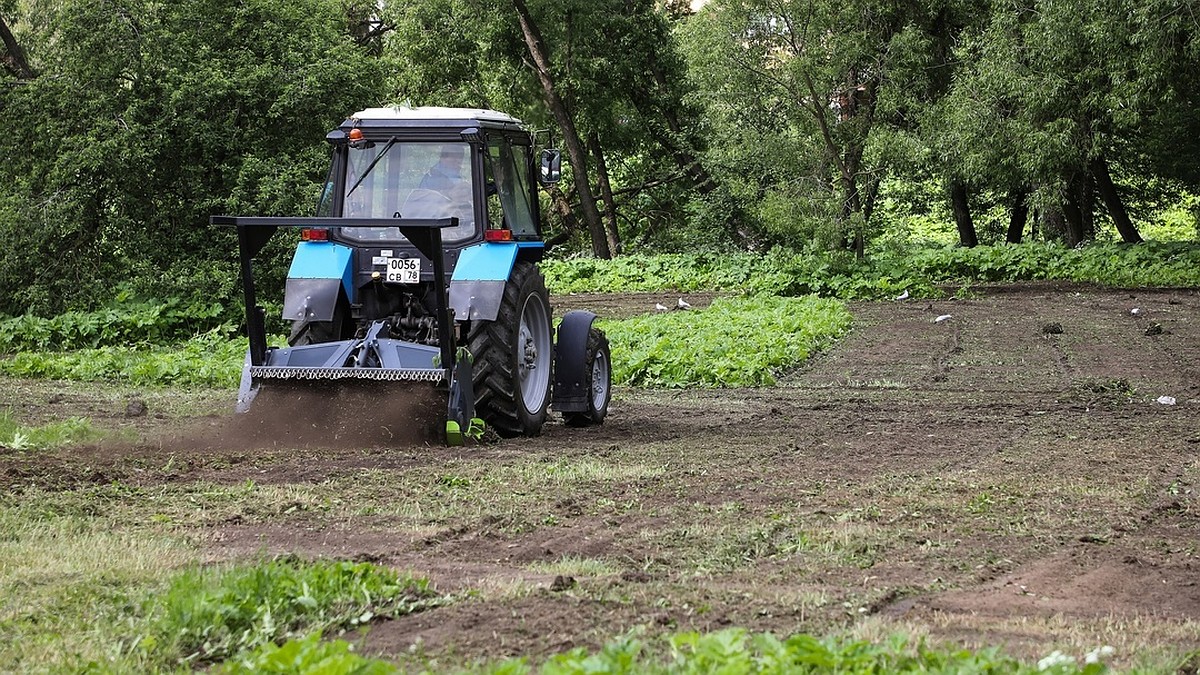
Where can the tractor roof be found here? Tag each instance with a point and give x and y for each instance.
(431, 119)
(434, 113)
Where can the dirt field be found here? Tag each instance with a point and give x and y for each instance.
(1006, 476)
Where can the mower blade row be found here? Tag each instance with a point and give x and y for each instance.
(434, 375)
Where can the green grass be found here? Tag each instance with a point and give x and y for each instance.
(70, 581)
(83, 592)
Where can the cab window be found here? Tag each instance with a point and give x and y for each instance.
(508, 183)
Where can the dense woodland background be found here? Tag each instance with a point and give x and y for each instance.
(846, 126)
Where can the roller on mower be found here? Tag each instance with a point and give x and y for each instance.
(421, 265)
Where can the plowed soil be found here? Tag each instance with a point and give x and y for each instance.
(1023, 473)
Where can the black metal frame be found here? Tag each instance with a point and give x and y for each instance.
(425, 234)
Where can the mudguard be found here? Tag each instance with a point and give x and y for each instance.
(482, 270)
(319, 274)
(570, 365)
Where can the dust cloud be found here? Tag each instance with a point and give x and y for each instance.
(333, 415)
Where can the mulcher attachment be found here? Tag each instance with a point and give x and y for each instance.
(368, 358)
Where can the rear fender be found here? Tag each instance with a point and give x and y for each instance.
(319, 275)
(570, 363)
(482, 270)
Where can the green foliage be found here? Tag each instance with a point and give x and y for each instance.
(1151, 264)
(675, 349)
(124, 322)
(1175, 222)
(54, 434)
(732, 651)
(149, 117)
(900, 267)
(615, 69)
(210, 359)
(736, 652)
(305, 656)
(779, 271)
(208, 614)
(734, 342)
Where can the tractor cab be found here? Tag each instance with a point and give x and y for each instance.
(473, 165)
(402, 164)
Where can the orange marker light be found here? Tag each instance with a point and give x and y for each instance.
(314, 234)
(355, 134)
(497, 235)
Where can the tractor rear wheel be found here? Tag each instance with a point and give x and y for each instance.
(597, 380)
(513, 357)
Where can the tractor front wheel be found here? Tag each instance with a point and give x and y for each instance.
(514, 356)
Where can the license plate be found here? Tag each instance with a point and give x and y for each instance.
(403, 270)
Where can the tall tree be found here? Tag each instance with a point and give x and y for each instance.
(539, 55)
(1053, 95)
(148, 118)
(13, 58)
(798, 94)
(587, 68)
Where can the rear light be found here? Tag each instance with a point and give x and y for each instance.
(497, 235)
(314, 234)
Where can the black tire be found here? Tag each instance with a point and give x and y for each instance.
(597, 379)
(316, 332)
(514, 356)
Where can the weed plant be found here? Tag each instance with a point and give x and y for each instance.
(207, 615)
(305, 655)
(52, 435)
(735, 342)
(198, 616)
(739, 344)
(211, 359)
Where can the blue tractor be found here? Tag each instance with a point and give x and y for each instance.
(421, 265)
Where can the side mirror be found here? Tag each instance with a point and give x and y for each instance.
(551, 167)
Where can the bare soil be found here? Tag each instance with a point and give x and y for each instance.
(1006, 476)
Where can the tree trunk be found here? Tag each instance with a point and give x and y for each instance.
(14, 57)
(1073, 217)
(872, 195)
(1019, 216)
(1054, 225)
(1112, 201)
(962, 215)
(575, 149)
(684, 157)
(1087, 208)
(610, 205)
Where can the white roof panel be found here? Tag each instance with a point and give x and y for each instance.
(433, 113)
